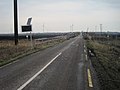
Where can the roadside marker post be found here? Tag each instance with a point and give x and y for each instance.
(31, 40)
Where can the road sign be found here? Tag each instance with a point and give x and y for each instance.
(29, 21)
(27, 28)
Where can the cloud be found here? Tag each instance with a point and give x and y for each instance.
(58, 15)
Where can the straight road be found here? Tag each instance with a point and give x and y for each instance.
(62, 67)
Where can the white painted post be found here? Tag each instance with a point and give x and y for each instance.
(31, 40)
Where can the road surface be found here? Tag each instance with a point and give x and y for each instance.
(63, 67)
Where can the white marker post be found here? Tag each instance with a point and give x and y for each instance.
(31, 40)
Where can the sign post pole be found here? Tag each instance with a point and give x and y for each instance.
(31, 40)
(28, 28)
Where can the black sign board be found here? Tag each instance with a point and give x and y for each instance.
(26, 28)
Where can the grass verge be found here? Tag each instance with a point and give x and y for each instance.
(11, 53)
(106, 63)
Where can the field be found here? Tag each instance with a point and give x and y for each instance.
(9, 52)
(106, 61)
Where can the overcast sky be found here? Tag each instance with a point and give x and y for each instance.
(59, 15)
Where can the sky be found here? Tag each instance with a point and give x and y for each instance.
(60, 15)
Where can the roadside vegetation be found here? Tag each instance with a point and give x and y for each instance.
(9, 52)
(106, 61)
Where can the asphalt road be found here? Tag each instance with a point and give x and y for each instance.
(62, 67)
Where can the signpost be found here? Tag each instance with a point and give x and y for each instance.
(28, 28)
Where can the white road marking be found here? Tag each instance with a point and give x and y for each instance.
(32, 78)
(68, 46)
(89, 78)
(72, 42)
(84, 51)
(84, 46)
(86, 57)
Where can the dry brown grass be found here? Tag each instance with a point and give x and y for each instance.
(8, 51)
(106, 64)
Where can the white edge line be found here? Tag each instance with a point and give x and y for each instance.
(31, 79)
(73, 42)
(84, 46)
(86, 57)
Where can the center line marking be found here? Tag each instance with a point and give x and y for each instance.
(89, 78)
(32, 78)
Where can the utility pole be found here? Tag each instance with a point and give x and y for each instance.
(95, 28)
(43, 28)
(95, 32)
(101, 29)
(72, 27)
(87, 31)
(15, 23)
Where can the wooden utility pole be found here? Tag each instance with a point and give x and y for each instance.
(15, 23)
(101, 29)
(43, 28)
